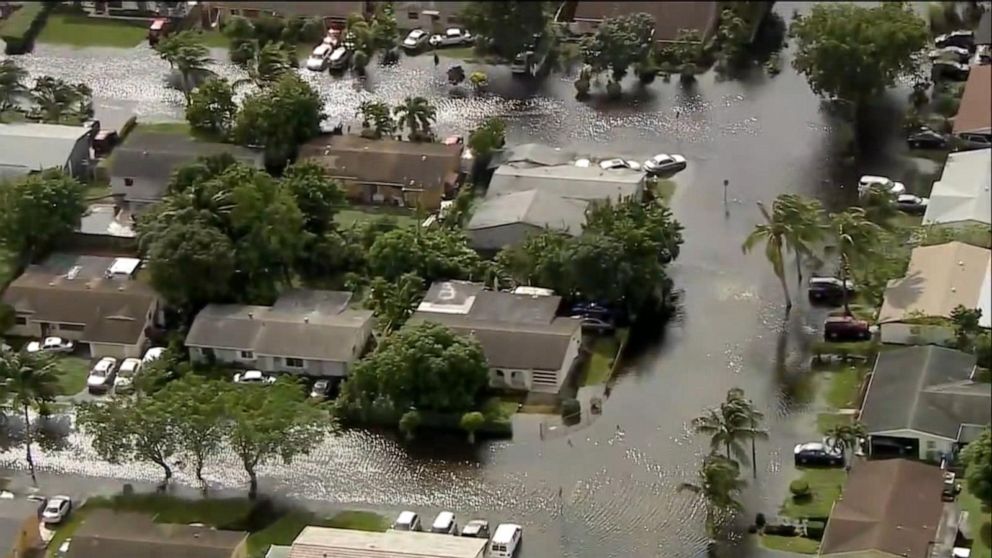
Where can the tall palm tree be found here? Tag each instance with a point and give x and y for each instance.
(856, 238)
(723, 426)
(805, 226)
(12, 85)
(719, 483)
(749, 419)
(879, 205)
(30, 382)
(846, 436)
(417, 114)
(268, 64)
(185, 53)
(772, 232)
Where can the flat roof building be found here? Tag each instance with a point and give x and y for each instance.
(323, 542)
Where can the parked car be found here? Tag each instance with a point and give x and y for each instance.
(950, 488)
(415, 39)
(818, 453)
(126, 373)
(960, 38)
(317, 61)
(974, 140)
(619, 164)
(333, 37)
(453, 36)
(102, 375)
(104, 142)
(321, 389)
(846, 328)
(893, 187)
(951, 70)
(954, 53)
(523, 63)
(925, 138)
(829, 290)
(339, 58)
(153, 353)
(51, 345)
(58, 508)
(407, 521)
(253, 377)
(158, 29)
(663, 163)
(445, 524)
(477, 528)
(909, 203)
(505, 540)
(598, 325)
(584, 163)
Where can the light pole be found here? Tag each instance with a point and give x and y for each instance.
(726, 183)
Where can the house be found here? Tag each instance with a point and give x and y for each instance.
(512, 218)
(526, 345)
(974, 118)
(131, 9)
(387, 171)
(916, 308)
(321, 542)
(141, 167)
(106, 228)
(961, 197)
(920, 400)
(532, 155)
(19, 533)
(669, 17)
(569, 181)
(93, 300)
(106, 534)
(305, 332)
(29, 147)
(983, 35)
(888, 509)
(329, 12)
(427, 15)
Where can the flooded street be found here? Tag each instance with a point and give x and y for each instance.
(609, 490)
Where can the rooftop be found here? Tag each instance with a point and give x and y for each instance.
(385, 161)
(316, 542)
(974, 112)
(533, 207)
(339, 10)
(26, 147)
(963, 192)
(532, 154)
(106, 534)
(568, 181)
(106, 220)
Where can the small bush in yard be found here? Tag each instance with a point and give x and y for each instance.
(814, 529)
(799, 489)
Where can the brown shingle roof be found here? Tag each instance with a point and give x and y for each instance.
(975, 110)
(892, 506)
(669, 17)
(340, 10)
(400, 163)
(106, 534)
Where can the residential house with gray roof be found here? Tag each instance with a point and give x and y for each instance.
(430, 16)
(141, 167)
(532, 155)
(26, 148)
(528, 347)
(109, 534)
(923, 403)
(307, 332)
(589, 184)
(512, 218)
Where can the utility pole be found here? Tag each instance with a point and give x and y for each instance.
(726, 183)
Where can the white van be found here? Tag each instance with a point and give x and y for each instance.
(445, 524)
(407, 521)
(505, 540)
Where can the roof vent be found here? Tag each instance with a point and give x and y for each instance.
(251, 315)
(306, 319)
(73, 272)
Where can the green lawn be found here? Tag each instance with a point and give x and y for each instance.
(96, 191)
(358, 520)
(826, 486)
(219, 512)
(72, 372)
(65, 530)
(980, 522)
(213, 38)
(603, 350)
(845, 385)
(356, 213)
(82, 31)
(826, 421)
(799, 545)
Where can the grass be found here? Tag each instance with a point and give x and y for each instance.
(72, 373)
(603, 351)
(980, 522)
(358, 214)
(826, 421)
(825, 485)
(175, 128)
(218, 512)
(845, 385)
(83, 31)
(96, 191)
(359, 521)
(213, 38)
(498, 409)
(66, 529)
(800, 545)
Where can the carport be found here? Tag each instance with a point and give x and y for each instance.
(885, 447)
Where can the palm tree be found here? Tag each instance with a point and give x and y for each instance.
(805, 220)
(719, 483)
(417, 114)
(723, 426)
(846, 436)
(772, 232)
(12, 85)
(268, 64)
(31, 383)
(856, 238)
(750, 421)
(376, 119)
(57, 99)
(879, 205)
(188, 55)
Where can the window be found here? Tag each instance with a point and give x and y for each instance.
(247, 355)
(931, 444)
(71, 327)
(294, 362)
(129, 182)
(413, 15)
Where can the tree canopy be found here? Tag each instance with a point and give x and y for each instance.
(280, 117)
(212, 108)
(432, 253)
(505, 27)
(37, 210)
(978, 467)
(619, 42)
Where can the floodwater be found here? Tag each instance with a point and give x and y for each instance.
(609, 490)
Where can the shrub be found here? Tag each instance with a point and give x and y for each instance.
(799, 489)
(814, 529)
(312, 30)
(780, 530)
(23, 26)
(239, 28)
(760, 521)
(570, 407)
(946, 105)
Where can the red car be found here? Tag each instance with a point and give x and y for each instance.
(159, 28)
(846, 328)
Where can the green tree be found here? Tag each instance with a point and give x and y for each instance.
(268, 65)
(318, 196)
(424, 366)
(384, 28)
(200, 422)
(470, 422)
(967, 326)
(12, 86)
(880, 207)
(192, 264)
(393, 302)
(804, 226)
(359, 61)
(377, 121)
(505, 28)
(37, 211)
(855, 238)
(435, 253)
(720, 485)
(853, 53)
(416, 114)
(846, 437)
(238, 27)
(479, 80)
(280, 117)
(978, 467)
(58, 101)
(724, 427)
(28, 382)
(212, 108)
(749, 421)
(487, 138)
(619, 42)
(272, 421)
(188, 56)
(983, 350)
(409, 423)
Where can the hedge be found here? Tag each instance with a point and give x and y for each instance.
(23, 26)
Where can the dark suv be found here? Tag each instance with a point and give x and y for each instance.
(829, 290)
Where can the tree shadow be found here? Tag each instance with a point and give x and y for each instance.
(51, 433)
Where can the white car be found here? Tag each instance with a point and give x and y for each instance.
(102, 374)
(407, 521)
(58, 508)
(253, 377)
(51, 345)
(318, 58)
(619, 164)
(151, 354)
(663, 163)
(126, 373)
(584, 163)
(452, 36)
(892, 187)
(445, 524)
(415, 39)
(957, 54)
